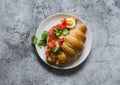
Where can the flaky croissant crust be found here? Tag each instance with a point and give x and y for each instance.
(74, 42)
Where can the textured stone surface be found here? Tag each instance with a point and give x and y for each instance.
(21, 65)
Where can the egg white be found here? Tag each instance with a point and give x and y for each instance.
(73, 22)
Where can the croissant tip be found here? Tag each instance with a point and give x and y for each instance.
(82, 28)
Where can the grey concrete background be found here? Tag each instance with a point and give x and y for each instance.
(21, 65)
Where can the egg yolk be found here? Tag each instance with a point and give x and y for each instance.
(69, 22)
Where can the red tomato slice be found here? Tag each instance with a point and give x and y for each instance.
(62, 25)
(50, 38)
(47, 53)
(64, 22)
(50, 45)
(60, 42)
(54, 43)
(51, 31)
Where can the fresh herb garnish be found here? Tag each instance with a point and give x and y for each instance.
(34, 40)
(53, 55)
(42, 41)
(57, 32)
(59, 50)
(52, 50)
(60, 31)
(44, 35)
(65, 32)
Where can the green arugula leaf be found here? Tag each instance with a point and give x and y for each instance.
(34, 40)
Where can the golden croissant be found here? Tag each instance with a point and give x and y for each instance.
(72, 43)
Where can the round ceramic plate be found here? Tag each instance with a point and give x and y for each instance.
(53, 20)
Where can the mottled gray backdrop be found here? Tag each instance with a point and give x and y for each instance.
(21, 65)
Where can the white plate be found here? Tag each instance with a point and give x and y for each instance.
(53, 20)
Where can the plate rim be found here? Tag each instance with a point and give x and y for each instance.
(69, 67)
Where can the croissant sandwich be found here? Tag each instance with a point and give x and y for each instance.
(64, 41)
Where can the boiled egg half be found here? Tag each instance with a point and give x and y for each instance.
(70, 22)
